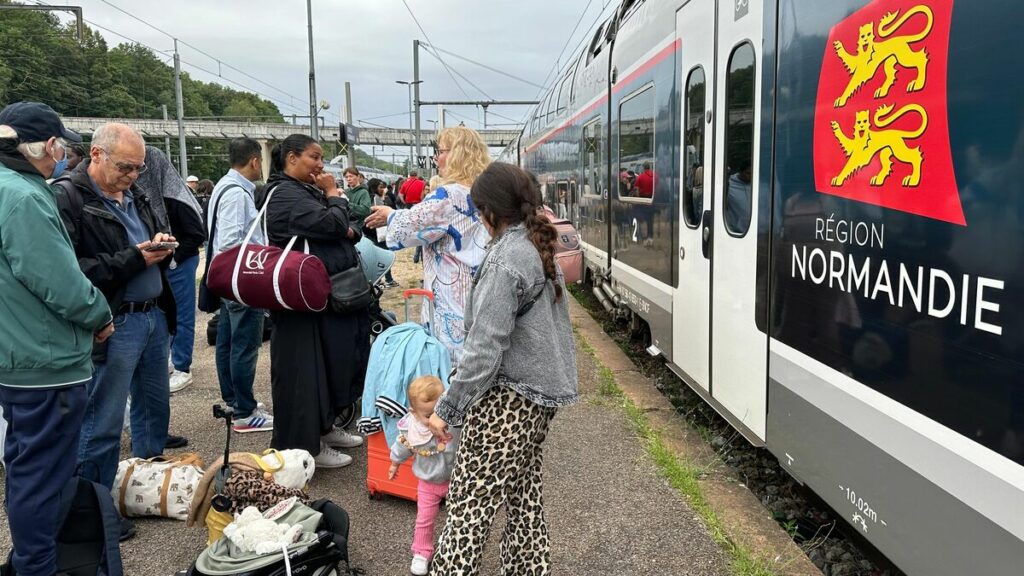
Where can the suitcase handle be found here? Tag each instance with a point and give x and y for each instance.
(428, 295)
(418, 292)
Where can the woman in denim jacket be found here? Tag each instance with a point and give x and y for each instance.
(518, 366)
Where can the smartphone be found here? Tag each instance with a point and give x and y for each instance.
(161, 246)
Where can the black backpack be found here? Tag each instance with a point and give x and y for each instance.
(87, 544)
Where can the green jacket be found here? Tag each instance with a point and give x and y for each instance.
(49, 310)
(358, 205)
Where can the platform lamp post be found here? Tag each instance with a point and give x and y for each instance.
(411, 145)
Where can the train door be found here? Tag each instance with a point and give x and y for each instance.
(739, 358)
(691, 307)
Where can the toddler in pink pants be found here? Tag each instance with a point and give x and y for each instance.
(433, 464)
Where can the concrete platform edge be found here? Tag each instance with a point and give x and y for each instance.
(745, 520)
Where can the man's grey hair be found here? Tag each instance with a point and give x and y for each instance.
(107, 136)
(30, 150)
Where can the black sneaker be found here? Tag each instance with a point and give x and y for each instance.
(175, 441)
(391, 284)
(127, 530)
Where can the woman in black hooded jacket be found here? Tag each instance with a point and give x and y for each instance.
(317, 360)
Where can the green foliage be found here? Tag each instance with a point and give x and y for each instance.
(42, 60)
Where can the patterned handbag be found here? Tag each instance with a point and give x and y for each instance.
(161, 486)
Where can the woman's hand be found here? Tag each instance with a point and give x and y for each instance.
(392, 471)
(325, 181)
(378, 216)
(440, 428)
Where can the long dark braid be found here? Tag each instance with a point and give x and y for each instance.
(507, 195)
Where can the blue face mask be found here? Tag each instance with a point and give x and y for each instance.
(61, 165)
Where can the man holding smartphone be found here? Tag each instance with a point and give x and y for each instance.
(117, 235)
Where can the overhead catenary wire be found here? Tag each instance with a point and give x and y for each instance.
(486, 67)
(579, 45)
(427, 38)
(459, 74)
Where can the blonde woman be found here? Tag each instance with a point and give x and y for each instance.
(448, 227)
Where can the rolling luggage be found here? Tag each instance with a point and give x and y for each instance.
(568, 255)
(399, 354)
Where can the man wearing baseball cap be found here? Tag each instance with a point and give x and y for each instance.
(51, 314)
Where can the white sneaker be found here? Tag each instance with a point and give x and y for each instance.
(170, 367)
(331, 458)
(339, 438)
(180, 380)
(420, 565)
(259, 421)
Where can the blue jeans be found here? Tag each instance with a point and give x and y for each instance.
(136, 362)
(42, 441)
(239, 337)
(183, 283)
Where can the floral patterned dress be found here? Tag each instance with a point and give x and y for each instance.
(454, 240)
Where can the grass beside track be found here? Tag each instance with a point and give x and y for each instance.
(682, 475)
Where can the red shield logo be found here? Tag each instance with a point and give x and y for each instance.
(881, 130)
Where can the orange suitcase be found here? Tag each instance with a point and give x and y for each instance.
(378, 460)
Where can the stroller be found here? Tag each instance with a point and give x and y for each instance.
(319, 554)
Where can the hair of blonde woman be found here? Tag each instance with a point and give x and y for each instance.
(435, 182)
(426, 388)
(467, 154)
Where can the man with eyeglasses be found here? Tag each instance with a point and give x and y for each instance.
(122, 243)
(51, 314)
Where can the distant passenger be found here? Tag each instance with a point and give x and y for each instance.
(447, 226)
(192, 182)
(738, 199)
(76, 153)
(412, 190)
(645, 182)
(358, 197)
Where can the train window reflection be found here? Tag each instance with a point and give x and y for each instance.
(636, 170)
(563, 94)
(693, 148)
(593, 157)
(739, 140)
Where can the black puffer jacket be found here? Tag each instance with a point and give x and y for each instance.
(299, 209)
(106, 256)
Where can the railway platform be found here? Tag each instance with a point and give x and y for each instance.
(610, 510)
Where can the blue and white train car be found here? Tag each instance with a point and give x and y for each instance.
(816, 212)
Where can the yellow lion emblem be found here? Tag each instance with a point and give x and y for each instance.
(866, 143)
(872, 53)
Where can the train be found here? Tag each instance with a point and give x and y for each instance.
(814, 212)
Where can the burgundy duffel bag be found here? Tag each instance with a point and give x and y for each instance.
(268, 277)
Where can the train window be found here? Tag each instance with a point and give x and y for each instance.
(636, 173)
(739, 140)
(593, 158)
(549, 107)
(563, 94)
(693, 143)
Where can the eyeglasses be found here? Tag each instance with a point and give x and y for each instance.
(440, 151)
(125, 167)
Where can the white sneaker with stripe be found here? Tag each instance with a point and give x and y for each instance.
(259, 421)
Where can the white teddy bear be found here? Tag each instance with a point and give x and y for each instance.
(298, 468)
(251, 532)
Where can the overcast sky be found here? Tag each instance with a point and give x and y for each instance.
(365, 42)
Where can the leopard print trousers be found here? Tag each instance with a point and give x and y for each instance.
(500, 462)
